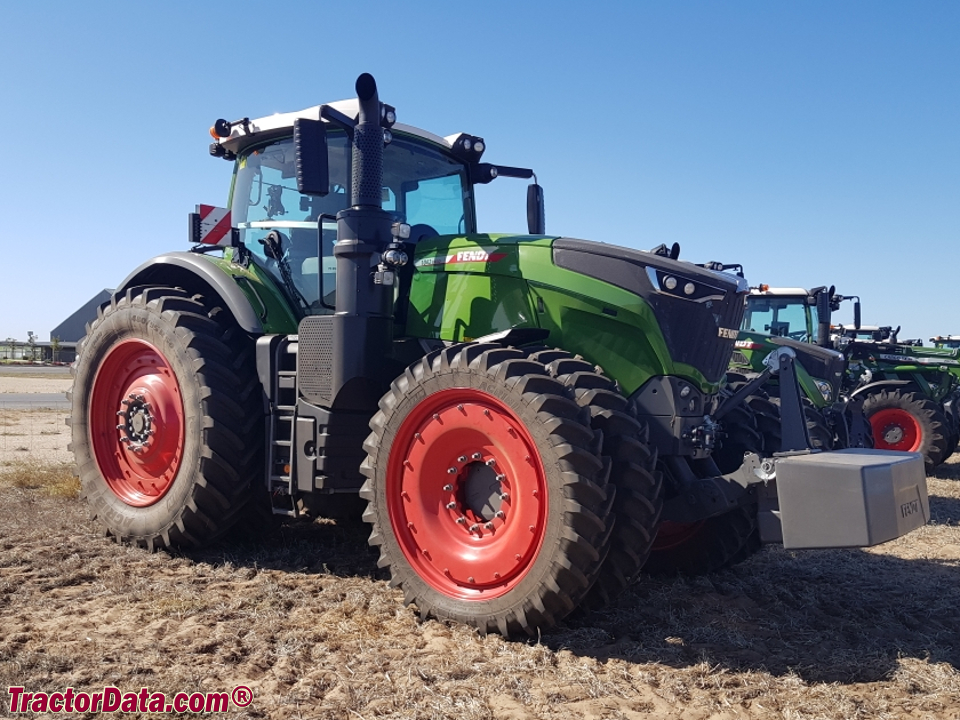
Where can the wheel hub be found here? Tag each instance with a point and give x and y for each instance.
(893, 435)
(136, 423)
(478, 493)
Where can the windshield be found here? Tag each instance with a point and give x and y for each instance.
(781, 317)
(421, 186)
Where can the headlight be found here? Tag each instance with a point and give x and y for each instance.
(825, 390)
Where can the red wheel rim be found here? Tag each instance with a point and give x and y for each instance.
(137, 422)
(671, 535)
(467, 494)
(895, 429)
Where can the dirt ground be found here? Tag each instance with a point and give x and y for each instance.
(307, 622)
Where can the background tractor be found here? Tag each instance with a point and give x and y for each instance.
(520, 413)
(902, 397)
(798, 319)
(934, 371)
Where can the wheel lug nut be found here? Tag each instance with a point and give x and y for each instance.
(462, 458)
(452, 470)
(500, 514)
(489, 526)
(119, 412)
(504, 496)
(474, 527)
(448, 488)
(462, 520)
(451, 505)
(501, 478)
(120, 427)
(470, 580)
(491, 462)
(477, 456)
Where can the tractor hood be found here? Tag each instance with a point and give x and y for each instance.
(698, 311)
(635, 313)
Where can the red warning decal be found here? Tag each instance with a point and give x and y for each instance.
(214, 224)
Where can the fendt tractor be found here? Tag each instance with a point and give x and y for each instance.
(903, 398)
(521, 413)
(934, 370)
(799, 319)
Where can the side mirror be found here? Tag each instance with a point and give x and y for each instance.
(856, 315)
(536, 220)
(310, 142)
(823, 304)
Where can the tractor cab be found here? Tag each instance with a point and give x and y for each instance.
(425, 185)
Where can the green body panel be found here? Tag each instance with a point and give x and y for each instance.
(746, 345)
(270, 305)
(465, 287)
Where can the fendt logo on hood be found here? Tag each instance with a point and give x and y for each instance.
(480, 255)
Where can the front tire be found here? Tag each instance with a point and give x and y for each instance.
(485, 496)
(166, 419)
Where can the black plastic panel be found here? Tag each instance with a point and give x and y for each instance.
(821, 363)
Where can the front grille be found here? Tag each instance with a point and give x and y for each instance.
(692, 330)
(315, 358)
(739, 358)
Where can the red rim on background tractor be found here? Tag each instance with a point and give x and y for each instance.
(137, 422)
(671, 535)
(467, 494)
(895, 429)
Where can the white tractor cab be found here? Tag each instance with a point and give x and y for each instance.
(951, 342)
(795, 313)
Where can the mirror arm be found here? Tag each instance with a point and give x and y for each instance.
(339, 119)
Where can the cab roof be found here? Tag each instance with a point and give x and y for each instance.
(280, 124)
(785, 291)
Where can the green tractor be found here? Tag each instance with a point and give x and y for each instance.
(935, 371)
(792, 317)
(902, 397)
(527, 417)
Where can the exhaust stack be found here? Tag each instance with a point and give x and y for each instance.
(363, 323)
(367, 181)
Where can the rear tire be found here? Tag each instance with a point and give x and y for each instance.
(509, 541)
(179, 376)
(909, 422)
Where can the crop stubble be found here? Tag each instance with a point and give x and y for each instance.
(306, 620)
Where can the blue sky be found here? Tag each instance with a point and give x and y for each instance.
(814, 142)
